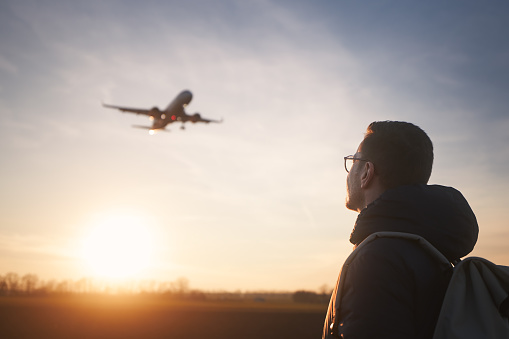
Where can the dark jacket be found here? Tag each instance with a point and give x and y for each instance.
(393, 288)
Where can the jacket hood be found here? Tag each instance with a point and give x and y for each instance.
(439, 214)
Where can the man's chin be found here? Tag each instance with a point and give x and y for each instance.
(351, 205)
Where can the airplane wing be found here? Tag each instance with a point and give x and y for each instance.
(149, 112)
(197, 118)
(210, 120)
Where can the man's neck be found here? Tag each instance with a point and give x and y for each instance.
(372, 193)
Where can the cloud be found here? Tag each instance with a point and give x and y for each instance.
(34, 246)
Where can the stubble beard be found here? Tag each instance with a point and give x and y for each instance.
(354, 199)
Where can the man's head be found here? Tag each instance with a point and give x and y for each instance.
(393, 153)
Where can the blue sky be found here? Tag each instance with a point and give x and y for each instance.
(258, 201)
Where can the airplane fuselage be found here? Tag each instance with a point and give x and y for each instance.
(180, 101)
(174, 112)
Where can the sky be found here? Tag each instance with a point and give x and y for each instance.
(257, 202)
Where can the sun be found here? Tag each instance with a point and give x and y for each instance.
(118, 247)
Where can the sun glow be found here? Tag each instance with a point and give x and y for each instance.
(118, 247)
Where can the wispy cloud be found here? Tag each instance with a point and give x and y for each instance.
(32, 244)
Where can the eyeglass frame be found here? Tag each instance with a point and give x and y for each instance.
(353, 158)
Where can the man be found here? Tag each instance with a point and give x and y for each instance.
(393, 288)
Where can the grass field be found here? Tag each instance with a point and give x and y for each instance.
(121, 317)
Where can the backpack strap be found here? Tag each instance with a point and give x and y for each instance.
(420, 241)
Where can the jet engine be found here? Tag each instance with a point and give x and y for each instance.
(195, 117)
(155, 112)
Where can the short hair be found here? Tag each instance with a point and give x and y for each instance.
(401, 152)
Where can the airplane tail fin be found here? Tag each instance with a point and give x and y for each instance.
(142, 127)
(151, 130)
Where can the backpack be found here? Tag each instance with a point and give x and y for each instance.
(476, 304)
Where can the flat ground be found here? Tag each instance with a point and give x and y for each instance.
(120, 317)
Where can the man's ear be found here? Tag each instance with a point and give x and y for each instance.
(368, 174)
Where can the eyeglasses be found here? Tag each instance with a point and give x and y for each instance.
(349, 160)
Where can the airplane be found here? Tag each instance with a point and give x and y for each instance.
(173, 113)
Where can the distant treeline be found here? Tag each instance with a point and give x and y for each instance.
(30, 284)
(13, 284)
